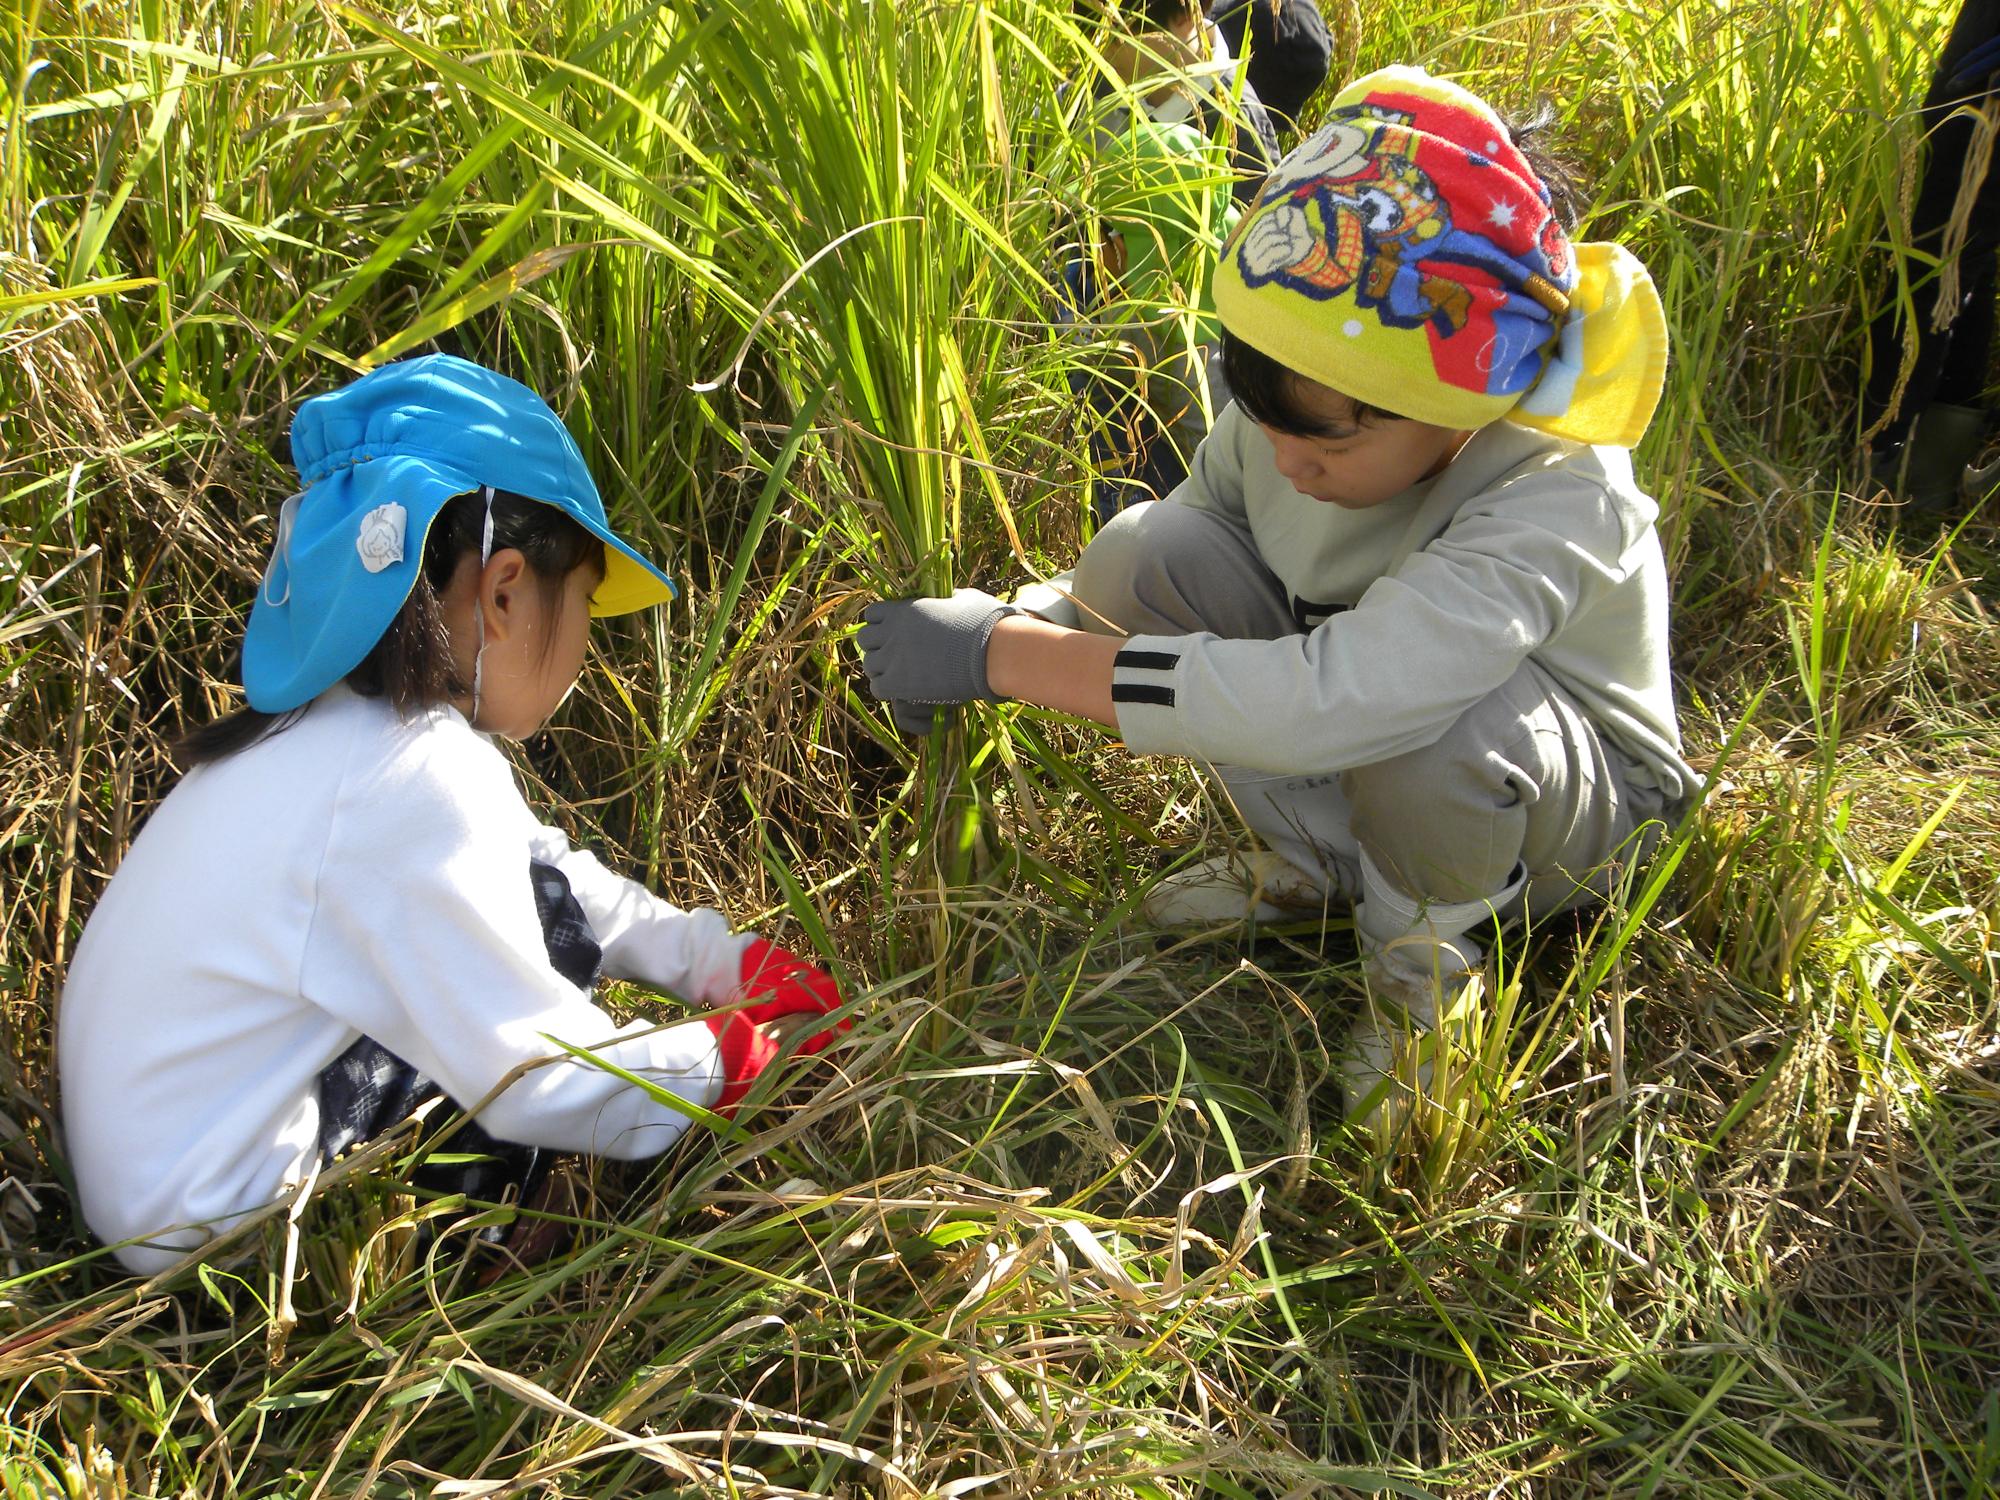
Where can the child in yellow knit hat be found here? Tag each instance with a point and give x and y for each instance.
(1410, 606)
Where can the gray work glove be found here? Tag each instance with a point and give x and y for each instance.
(923, 653)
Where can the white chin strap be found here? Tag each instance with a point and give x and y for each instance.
(478, 615)
(281, 554)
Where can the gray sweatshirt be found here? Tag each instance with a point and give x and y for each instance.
(1525, 546)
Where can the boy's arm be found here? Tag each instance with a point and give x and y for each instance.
(1424, 644)
(1386, 677)
(1037, 662)
(926, 653)
(972, 647)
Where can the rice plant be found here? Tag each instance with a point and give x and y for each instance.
(1705, 1200)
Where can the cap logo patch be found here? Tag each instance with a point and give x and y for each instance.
(380, 542)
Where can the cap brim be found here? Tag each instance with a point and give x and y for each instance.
(630, 582)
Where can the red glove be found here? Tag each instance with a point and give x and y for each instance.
(795, 988)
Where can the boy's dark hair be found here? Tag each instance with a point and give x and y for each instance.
(1268, 391)
(1560, 172)
(411, 664)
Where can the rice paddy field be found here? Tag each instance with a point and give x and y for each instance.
(1708, 1200)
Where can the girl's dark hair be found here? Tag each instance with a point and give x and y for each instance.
(1268, 391)
(411, 664)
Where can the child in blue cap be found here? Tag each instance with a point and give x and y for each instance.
(346, 908)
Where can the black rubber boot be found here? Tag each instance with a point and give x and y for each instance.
(1927, 472)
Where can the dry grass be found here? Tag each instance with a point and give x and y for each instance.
(1717, 1211)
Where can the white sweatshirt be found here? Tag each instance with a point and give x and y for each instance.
(1413, 610)
(355, 873)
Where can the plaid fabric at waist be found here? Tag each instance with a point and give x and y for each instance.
(368, 1089)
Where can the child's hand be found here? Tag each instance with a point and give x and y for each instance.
(923, 652)
(745, 1035)
(794, 988)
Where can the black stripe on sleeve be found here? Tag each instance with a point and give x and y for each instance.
(1148, 661)
(1143, 692)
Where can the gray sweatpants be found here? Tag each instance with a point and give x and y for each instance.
(1522, 782)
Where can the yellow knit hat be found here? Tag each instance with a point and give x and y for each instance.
(1405, 255)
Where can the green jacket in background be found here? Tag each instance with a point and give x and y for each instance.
(1164, 190)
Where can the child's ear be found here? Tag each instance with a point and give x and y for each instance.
(501, 586)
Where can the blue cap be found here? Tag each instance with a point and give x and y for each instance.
(377, 460)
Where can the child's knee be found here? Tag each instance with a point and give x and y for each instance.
(1119, 578)
(1105, 571)
(1444, 821)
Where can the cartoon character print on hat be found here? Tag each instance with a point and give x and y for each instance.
(1360, 209)
(1351, 209)
(380, 542)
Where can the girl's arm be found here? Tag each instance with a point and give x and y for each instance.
(645, 938)
(425, 936)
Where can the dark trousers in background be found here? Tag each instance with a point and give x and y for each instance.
(1145, 417)
(1952, 364)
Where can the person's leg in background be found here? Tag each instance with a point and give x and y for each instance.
(1150, 416)
(1931, 409)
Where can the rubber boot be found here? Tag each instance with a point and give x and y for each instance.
(1420, 957)
(1311, 861)
(1928, 471)
(1978, 485)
